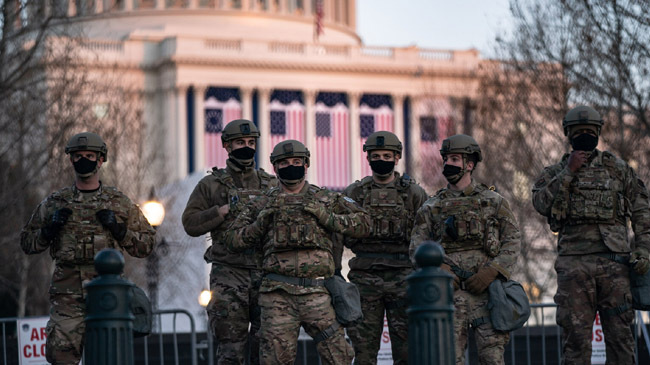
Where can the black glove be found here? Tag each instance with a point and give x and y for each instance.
(107, 218)
(59, 219)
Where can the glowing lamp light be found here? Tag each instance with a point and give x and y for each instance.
(154, 212)
(204, 298)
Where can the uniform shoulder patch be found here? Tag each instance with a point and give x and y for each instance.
(348, 199)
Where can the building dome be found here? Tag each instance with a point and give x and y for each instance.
(286, 20)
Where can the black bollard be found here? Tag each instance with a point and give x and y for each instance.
(431, 309)
(109, 320)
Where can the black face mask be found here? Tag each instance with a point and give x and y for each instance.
(291, 175)
(584, 142)
(85, 167)
(452, 173)
(244, 153)
(382, 167)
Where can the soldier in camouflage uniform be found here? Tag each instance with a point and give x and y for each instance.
(589, 198)
(293, 225)
(76, 223)
(481, 240)
(381, 263)
(235, 277)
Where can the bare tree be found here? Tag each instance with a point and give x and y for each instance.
(559, 55)
(50, 90)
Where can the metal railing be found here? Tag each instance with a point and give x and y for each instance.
(190, 350)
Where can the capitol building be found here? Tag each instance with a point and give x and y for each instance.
(297, 68)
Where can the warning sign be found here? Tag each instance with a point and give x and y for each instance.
(31, 340)
(385, 355)
(598, 355)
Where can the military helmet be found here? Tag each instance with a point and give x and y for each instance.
(581, 115)
(239, 128)
(383, 140)
(463, 144)
(87, 141)
(289, 148)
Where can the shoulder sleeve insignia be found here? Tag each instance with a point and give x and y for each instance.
(349, 200)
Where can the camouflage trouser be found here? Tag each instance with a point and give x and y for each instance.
(232, 307)
(66, 328)
(489, 342)
(381, 290)
(282, 316)
(587, 283)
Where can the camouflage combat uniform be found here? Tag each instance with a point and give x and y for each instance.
(488, 235)
(234, 278)
(590, 210)
(297, 250)
(73, 251)
(382, 264)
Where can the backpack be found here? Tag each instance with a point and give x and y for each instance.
(508, 305)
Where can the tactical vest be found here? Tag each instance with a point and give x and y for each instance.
(475, 223)
(239, 197)
(293, 227)
(595, 196)
(83, 235)
(391, 222)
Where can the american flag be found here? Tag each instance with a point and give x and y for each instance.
(221, 107)
(287, 116)
(318, 19)
(436, 124)
(332, 148)
(375, 114)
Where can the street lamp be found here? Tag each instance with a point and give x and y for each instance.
(154, 212)
(204, 297)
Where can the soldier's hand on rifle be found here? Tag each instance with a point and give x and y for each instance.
(107, 218)
(319, 210)
(477, 283)
(576, 160)
(639, 260)
(448, 269)
(224, 210)
(59, 219)
(265, 217)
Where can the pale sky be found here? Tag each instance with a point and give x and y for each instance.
(442, 24)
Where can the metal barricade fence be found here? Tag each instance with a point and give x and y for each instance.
(187, 349)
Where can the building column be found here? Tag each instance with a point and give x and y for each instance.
(194, 4)
(307, 8)
(180, 106)
(160, 4)
(310, 128)
(398, 127)
(128, 5)
(99, 6)
(246, 102)
(414, 137)
(199, 127)
(355, 135)
(264, 147)
(72, 8)
(283, 7)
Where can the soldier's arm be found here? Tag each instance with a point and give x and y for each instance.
(250, 226)
(347, 241)
(637, 195)
(140, 236)
(200, 215)
(423, 228)
(349, 218)
(551, 184)
(418, 196)
(31, 240)
(510, 239)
